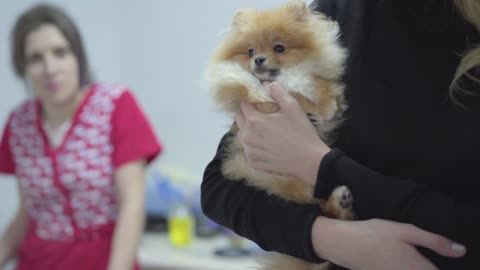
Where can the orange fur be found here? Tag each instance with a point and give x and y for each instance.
(309, 63)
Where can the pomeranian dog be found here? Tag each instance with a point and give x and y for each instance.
(298, 48)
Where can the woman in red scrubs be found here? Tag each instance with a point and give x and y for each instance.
(79, 150)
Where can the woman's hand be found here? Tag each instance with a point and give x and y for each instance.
(378, 244)
(284, 142)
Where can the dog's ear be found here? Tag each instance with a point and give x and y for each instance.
(240, 18)
(297, 8)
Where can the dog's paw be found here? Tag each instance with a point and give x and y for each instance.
(340, 204)
(343, 197)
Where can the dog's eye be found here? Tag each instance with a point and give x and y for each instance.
(279, 48)
(251, 52)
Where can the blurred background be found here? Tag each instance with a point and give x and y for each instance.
(159, 49)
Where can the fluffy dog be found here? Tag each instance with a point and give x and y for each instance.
(298, 48)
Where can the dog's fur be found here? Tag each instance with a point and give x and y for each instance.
(300, 50)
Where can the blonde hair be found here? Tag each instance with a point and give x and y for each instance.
(470, 9)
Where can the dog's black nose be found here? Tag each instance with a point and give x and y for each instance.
(259, 60)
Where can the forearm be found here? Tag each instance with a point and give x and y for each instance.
(273, 223)
(12, 237)
(128, 232)
(402, 200)
(385, 197)
(323, 236)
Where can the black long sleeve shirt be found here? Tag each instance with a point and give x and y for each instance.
(406, 151)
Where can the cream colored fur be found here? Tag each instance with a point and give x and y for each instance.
(313, 77)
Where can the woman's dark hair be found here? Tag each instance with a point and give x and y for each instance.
(37, 16)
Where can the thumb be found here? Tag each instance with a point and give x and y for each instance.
(435, 242)
(280, 95)
(247, 109)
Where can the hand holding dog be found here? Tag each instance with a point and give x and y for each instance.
(284, 142)
(378, 244)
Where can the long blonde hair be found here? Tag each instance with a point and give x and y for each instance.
(470, 9)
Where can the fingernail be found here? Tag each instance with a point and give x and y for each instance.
(458, 248)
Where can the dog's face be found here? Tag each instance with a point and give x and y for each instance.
(266, 42)
(265, 62)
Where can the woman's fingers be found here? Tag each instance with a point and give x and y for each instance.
(421, 263)
(441, 245)
(281, 96)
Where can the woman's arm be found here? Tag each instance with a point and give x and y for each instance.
(135, 146)
(15, 232)
(379, 244)
(129, 184)
(299, 231)
(404, 200)
(272, 223)
(375, 195)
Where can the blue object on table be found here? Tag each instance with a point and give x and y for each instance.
(161, 195)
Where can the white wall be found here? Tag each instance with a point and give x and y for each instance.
(159, 48)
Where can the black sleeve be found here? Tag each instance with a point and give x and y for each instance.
(404, 200)
(272, 223)
(353, 18)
